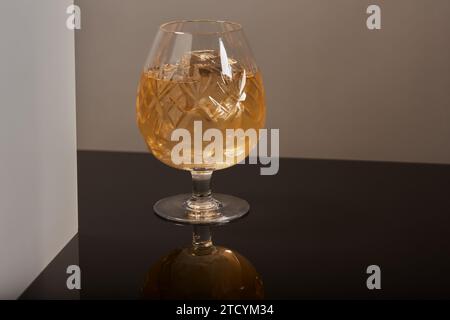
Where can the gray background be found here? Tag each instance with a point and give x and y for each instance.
(38, 159)
(335, 89)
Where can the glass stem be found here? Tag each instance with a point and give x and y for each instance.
(201, 240)
(201, 202)
(201, 184)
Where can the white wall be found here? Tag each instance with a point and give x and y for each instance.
(38, 204)
(334, 88)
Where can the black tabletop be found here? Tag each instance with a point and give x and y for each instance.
(312, 231)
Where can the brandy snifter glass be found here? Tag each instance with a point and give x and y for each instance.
(200, 75)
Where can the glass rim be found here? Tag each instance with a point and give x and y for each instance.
(236, 27)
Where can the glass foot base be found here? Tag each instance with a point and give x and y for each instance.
(174, 209)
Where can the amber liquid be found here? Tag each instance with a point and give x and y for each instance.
(222, 274)
(199, 88)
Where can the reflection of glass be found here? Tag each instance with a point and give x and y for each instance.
(200, 72)
(203, 271)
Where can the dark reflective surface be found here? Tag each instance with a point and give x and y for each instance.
(311, 233)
